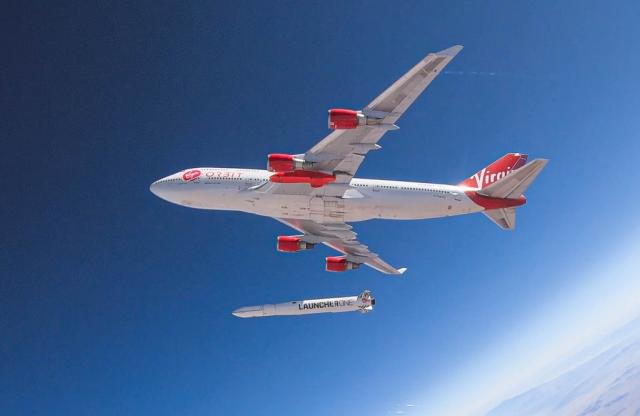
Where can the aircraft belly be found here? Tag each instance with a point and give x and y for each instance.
(411, 206)
(280, 205)
(327, 209)
(408, 205)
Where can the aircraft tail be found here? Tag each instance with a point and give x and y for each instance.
(501, 185)
(496, 171)
(504, 218)
(516, 182)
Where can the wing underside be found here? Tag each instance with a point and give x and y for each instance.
(341, 237)
(343, 151)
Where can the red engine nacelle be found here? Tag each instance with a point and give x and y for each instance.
(340, 264)
(291, 244)
(340, 118)
(279, 162)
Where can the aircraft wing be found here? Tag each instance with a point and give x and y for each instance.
(342, 151)
(340, 236)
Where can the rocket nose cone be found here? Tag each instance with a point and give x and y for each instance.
(240, 313)
(248, 312)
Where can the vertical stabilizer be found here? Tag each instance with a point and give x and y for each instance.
(496, 171)
(499, 187)
(514, 185)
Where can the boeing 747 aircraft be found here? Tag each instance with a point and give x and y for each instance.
(317, 194)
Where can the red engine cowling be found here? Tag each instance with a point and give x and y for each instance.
(340, 118)
(291, 244)
(314, 179)
(340, 264)
(279, 162)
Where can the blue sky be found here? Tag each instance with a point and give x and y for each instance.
(115, 302)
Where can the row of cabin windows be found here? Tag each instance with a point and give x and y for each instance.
(209, 179)
(234, 179)
(357, 184)
(403, 187)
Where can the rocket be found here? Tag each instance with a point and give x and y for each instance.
(362, 303)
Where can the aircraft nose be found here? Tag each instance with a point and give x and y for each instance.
(179, 189)
(155, 188)
(163, 188)
(168, 188)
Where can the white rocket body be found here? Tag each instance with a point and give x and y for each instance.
(362, 303)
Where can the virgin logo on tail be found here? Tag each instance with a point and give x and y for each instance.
(496, 171)
(485, 177)
(191, 175)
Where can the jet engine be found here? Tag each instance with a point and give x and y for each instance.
(340, 264)
(343, 119)
(340, 118)
(280, 162)
(292, 244)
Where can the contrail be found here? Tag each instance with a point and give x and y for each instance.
(495, 74)
(478, 73)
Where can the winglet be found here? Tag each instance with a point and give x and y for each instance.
(402, 270)
(452, 51)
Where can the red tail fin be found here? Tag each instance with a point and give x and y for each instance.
(497, 170)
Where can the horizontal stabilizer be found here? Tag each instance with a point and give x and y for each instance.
(514, 184)
(505, 218)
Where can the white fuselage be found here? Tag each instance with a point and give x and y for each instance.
(241, 190)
